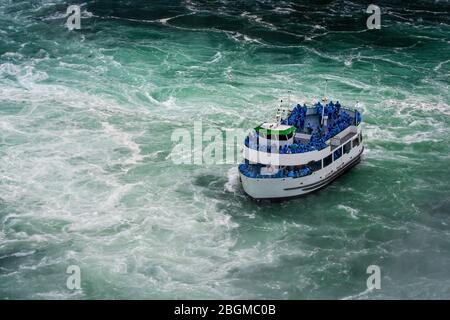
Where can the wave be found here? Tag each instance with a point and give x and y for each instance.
(351, 211)
(257, 20)
(232, 179)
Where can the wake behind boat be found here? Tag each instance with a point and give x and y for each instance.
(304, 150)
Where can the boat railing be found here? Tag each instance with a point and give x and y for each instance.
(320, 137)
(254, 172)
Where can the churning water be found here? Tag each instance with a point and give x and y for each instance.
(86, 176)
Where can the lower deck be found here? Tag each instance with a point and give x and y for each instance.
(287, 187)
(339, 147)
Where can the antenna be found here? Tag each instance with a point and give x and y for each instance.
(324, 100)
(279, 111)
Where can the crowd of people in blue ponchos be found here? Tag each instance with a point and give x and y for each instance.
(297, 117)
(337, 122)
(254, 171)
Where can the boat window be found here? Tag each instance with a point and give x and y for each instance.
(355, 142)
(337, 154)
(277, 137)
(360, 137)
(327, 161)
(347, 147)
(315, 165)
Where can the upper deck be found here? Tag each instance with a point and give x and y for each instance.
(315, 131)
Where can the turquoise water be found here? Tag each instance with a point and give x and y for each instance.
(87, 179)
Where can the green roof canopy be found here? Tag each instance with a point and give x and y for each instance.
(287, 131)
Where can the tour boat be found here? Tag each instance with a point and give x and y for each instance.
(305, 149)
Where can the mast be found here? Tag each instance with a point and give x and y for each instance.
(324, 101)
(279, 112)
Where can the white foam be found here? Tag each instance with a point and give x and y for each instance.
(404, 108)
(361, 295)
(353, 212)
(60, 295)
(216, 58)
(124, 139)
(232, 179)
(284, 10)
(242, 38)
(166, 20)
(9, 69)
(257, 19)
(16, 55)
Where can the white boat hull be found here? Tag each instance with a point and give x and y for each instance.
(278, 188)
